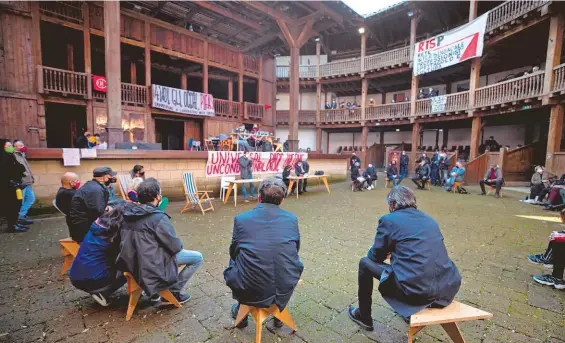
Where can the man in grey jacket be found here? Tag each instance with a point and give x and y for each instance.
(245, 167)
(493, 177)
(27, 183)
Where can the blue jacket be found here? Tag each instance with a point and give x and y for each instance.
(420, 273)
(264, 266)
(94, 269)
(460, 173)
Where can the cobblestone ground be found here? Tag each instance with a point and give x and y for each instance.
(484, 236)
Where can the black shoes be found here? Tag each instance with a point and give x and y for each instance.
(25, 221)
(355, 316)
(244, 322)
(181, 298)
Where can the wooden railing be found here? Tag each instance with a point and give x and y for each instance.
(510, 10)
(341, 115)
(134, 94)
(388, 58)
(250, 63)
(341, 68)
(283, 116)
(283, 72)
(132, 28)
(226, 108)
(304, 116)
(388, 111)
(65, 10)
(308, 72)
(254, 111)
(453, 103)
(559, 78)
(523, 87)
(475, 169)
(62, 81)
(22, 6)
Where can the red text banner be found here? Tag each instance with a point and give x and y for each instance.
(226, 163)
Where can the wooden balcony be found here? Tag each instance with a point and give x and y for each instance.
(394, 111)
(62, 81)
(509, 11)
(250, 64)
(346, 67)
(388, 59)
(305, 117)
(559, 79)
(65, 11)
(228, 109)
(254, 111)
(132, 94)
(456, 102)
(521, 88)
(342, 115)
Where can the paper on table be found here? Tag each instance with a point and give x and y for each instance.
(71, 157)
(88, 153)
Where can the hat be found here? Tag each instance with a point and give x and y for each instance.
(103, 171)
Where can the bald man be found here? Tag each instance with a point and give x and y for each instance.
(69, 184)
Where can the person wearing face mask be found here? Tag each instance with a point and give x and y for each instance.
(137, 171)
(404, 160)
(11, 173)
(89, 202)
(27, 183)
(150, 249)
(540, 180)
(69, 185)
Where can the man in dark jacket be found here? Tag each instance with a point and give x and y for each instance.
(82, 141)
(370, 175)
(424, 157)
(392, 174)
(299, 170)
(420, 273)
(404, 160)
(306, 170)
(264, 267)
(89, 202)
(150, 249)
(69, 185)
(422, 174)
(355, 171)
(354, 159)
(245, 167)
(493, 177)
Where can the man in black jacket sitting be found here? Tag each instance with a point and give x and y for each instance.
(370, 175)
(422, 174)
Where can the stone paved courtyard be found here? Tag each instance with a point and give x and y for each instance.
(484, 237)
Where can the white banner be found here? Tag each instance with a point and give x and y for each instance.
(438, 103)
(451, 47)
(182, 101)
(226, 163)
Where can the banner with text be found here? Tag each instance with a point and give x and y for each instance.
(438, 103)
(226, 163)
(182, 101)
(451, 47)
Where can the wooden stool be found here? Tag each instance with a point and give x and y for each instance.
(387, 182)
(261, 314)
(447, 317)
(456, 185)
(69, 250)
(134, 292)
(493, 189)
(426, 185)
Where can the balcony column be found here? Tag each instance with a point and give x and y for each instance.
(133, 72)
(363, 51)
(318, 59)
(553, 57)
(415, 142)
(183, 80)
(37, 61)
(205, 69)
(242, 116)
(113, 72)
(230, 90)
(554, 135)
(364, 89)
(149, 121)
(364, 135)
(475, 137)
(475, 76)
(415, 80)
(90, 124)
(319, 139)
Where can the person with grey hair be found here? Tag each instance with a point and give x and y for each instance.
(27, 183)
(264, 266)
(420, 273)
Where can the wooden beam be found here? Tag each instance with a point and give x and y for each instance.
(314, 15)
(274, 13)
(319, 5)
(305, 34)
(415, 141)
(294, 98)
(260, 80)
(205, 69)
(473, 7)
(133, 72)
(319, 140)
(230, 89)
(240, 78)
(210, 6)
(364, 88)
(113, 72)
(286, 33)
(261, 41)
(364, 135)
(183, 81)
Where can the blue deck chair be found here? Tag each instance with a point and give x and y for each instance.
(195, 197)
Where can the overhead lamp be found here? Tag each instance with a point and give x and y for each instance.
(317, 40)
(361, 30)
(410, 14)
(397, 130)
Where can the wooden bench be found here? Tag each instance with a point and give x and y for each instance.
(69, 250)
(259, 315)
(446, 317)
(456, 185)
(426, 185)
(387, 182)
(493, 189)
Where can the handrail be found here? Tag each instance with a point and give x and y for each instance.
(559, 78)
(510, 10)
(227, 108)
(63, 10)
(388, 111)
(345, 67)
(341, 115)
(304, 116)
(254, 111)
(135, 94)
(388, 58)
(522, 87)
(64, 81)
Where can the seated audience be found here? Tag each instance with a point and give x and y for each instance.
(370, 175)
(132, 192)
(150, 249)
(305, 169)
(554, 257)
(359, 184)
(420, 273)
(137, 171)
(300, 171)
(423, 172)
(540, 180)
(493, 177)
(355, 171)
(94, 270)
(392, 174)
(457, 175)
(69, 185)
(242, 141)
(285, 175)
(89, 202)
(491, 144)
(264, 266)
(424, 157)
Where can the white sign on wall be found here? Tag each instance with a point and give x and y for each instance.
(438, 103)
(451, 47)
(182, 101)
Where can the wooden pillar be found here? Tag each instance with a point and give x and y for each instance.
(415, 143)
(502, 159)
(90, 121)
(294, 80)
(445, 137)
(319, 139)
(382, 137)
(475, 137)
(37, 61)
(260, 81)
(113, 72)
(240, 79)
(183, 80)
(415, 81)
(364, 87)
(230, 90)
(318, 102)
(475, 76)
(363, 51)
(437, 139)
(364, 135)
(473, 6)
(318, 61)
(133, 72)
(554, 135)
(149, 121)
(383, 98)
(70, 57)
(553, 57)
(205, 69)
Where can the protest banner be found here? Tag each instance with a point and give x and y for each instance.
(226, 163)
(182, 101)
(438, 103)
(451, 47)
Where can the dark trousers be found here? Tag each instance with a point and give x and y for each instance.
(304, 184)
(368, 270)
(434, 177)
(555, 253)
(497, 183)
(369, 181)
(10, 206)
(418, 180)
(535, 190)
(544, 192)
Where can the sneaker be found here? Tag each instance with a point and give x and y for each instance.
(277, 323)
(539, 259)
(181, 298)
(245, 200)
(155, 298)
(365, 324)
(483, 193)
(20, 228)
(549, 280)
(101, 299)
(25, 220)
(304, 191)
(244, 322)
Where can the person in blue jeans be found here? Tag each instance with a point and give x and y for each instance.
(245, 168)
(150, 249)
(27, 183)
(457, 174)
(392, 174)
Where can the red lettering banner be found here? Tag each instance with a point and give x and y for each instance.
(99, 83)
(226, 163)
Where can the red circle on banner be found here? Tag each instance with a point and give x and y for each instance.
(101, 83)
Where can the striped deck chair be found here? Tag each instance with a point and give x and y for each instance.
(193, 196)
(124, 181)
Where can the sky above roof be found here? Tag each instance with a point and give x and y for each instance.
(364, 7)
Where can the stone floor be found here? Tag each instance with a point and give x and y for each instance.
(484, 236)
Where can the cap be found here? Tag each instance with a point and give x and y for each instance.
(102, 171)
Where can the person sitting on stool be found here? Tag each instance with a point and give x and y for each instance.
(370, 175)
(306, 169)
(422, 174)
(264, 266)
(493, 177)
(392, 174)
(299, 170)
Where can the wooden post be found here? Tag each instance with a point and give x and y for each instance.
(555, 134)
(230, 90)
(445, 137)
(133, 72)
(382, 137)
(260, 81)
(183, 80)
(553, 57)
(364, 87)
(149, 121)
(205, 69)
(383, 98)
(90, 124)
(113, 72)
(294, 98)
(473, 6)
(364, 134)
(318, 60)
(502, 159)
(475, 137)
(437, 139)
(415, 81)
(38, 77)
(319, 139)
(475, 67)
(415, 141)
(240, 78)
(318, 102)
(363, 51)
